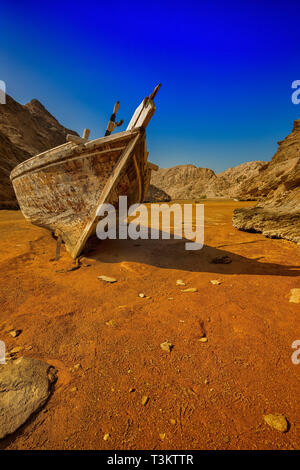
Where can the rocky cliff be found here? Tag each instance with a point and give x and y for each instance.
(24, 131)
(277, 189)
(191, 182)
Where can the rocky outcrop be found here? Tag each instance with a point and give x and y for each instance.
(191, 182)
(277, 189)
(24, 131)
(25, 386)
(156, 195)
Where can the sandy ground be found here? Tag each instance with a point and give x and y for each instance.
(202, 395)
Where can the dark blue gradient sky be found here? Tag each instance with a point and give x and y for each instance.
(226, 70)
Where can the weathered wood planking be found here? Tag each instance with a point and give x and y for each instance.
(62, 188)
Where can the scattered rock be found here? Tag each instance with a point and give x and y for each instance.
(206, 381)
(111, 323)
(15, 333)
(106, 437)
(295, 296)
(145, 400)
(215, 282)
(179, 282)
(190, 289)
(204, 339)
(141, 295)
(25, 386)
(76, 367)
(277, 421)
(221, 260)
(131, 390)
(162, 436)
(15, 350)
(111, 280)
(167, 346)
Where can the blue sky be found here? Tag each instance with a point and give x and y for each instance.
(226, 69)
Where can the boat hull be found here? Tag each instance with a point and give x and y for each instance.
(62, 189)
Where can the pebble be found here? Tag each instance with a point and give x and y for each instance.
(15, 333)
(73, 389)
(295, 296)
(277, 421)
(203, 339)
(106, 437)
(15, 350)
(215, 282)
(172, 421)
(142, 295)
(145, 400)
(180, 282)
(162, 436)
(166, 346)
(190, 289)
(111, 280)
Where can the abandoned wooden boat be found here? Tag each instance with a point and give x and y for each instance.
(62, 188)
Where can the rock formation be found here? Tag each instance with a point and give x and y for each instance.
(277, 189)
(24, 131)
(191, 182)
(25, 386)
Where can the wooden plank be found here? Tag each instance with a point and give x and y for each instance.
(138, 174)
(142, 114)
(104, 195)
(152, 166)
(76, 139)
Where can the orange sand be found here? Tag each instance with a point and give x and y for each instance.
(216, 392)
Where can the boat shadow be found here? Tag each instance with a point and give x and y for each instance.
(171, 254)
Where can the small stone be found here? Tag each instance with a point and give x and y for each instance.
(15, 350)
(167, 346)
(106, 437)
(172, 421)
(180, 282)
(73, 389)
(15, 333)
(142, 295)
(277, 421)
(145, 400)
(215, 282)
(203, 339)
(76, 367)
(295, 296)
(162, 436)
(131, 390)
(111, 280)
(190, 289)
(111, 323)
(227, 439)
(206, 381)
(170, 298)
(28, 348)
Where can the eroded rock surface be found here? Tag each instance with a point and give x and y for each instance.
(24, 131)
(25, 386)
(277, 188)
